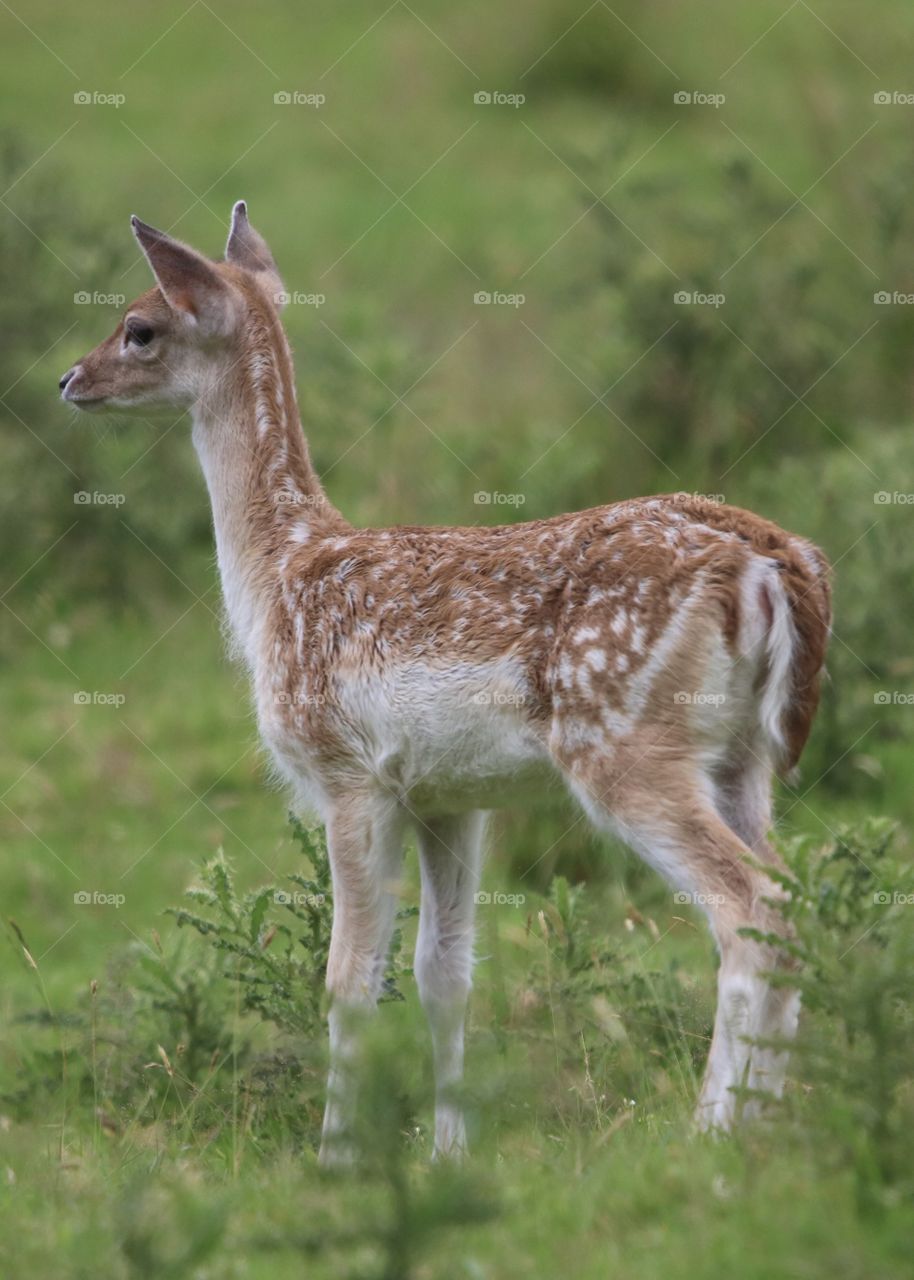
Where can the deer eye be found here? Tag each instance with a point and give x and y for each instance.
(139, 333)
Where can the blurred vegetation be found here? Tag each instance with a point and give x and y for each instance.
(600, 199)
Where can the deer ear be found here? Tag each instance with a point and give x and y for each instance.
(190, 283)
(247, 248)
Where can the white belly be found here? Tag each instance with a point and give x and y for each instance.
(448, 739)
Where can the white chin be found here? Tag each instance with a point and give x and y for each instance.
(125, 408)
(88, 406)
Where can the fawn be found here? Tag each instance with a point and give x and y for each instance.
(662, 656)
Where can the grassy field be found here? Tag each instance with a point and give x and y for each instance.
(152, 1124)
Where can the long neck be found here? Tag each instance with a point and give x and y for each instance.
(265, 494)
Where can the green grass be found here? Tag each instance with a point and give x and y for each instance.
(643, 1203)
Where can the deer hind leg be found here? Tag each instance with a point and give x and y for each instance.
(365, 843)
(668, 816)
(742, 792)
(450, 855)
(742, 797)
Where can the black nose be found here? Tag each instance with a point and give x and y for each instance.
(66, 378)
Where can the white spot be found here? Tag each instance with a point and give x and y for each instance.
(595, 659)
(583, 634)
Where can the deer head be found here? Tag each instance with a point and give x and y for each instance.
(177, 341)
